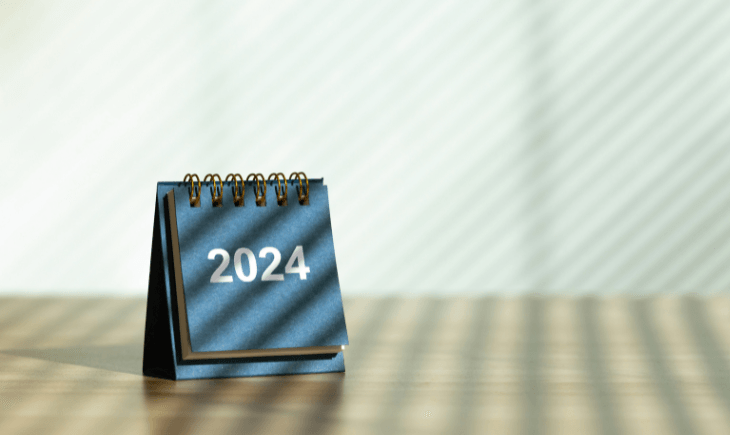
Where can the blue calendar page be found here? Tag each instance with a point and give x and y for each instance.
(258, 277)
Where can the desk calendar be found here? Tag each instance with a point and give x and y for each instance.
(243, 279)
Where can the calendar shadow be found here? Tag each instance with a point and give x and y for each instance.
(125, 358)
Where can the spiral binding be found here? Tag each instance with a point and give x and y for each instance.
(194, 200)
(217, 198)
(280, 197)
(259, 188)
(260, 199)
(303, 197)
(237, 200)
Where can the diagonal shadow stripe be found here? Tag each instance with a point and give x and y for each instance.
(306, 61)
(358, 355)
(662, 377)
(700, 204)
(537, 153)
(599, 241)
(597, 90)
(21, 308)
(260, 407)
(578, 167)
(384, 127)
(713, 356)
(263, 229)
(360, 352)
(597, 110)
(596, 206)
(190, 400)
(714, 279)
(413, 354)
(330, 393)
(324, 282)
(532, 365)
(384, 114)
(87, 357)
(449, 132)
(473, 355)
(595, 358)
(677, 131)
(584, 165)
(614, 238)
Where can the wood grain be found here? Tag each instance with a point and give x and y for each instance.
(458, 366)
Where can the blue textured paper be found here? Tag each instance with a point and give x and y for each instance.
(259, 314)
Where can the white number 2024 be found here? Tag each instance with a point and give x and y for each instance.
(268, 275)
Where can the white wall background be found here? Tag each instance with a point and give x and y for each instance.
(469, 146)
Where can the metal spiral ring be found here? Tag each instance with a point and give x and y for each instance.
(217, 199)
(194, 201)
(260, 199)
(281, 198)
(237, 199)
(303, 197)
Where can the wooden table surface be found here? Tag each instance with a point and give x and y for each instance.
(449, 366)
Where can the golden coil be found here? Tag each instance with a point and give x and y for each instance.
(260, 194)
(237, 199)
(259, 188)
(217, 197)
(194, 201)
(303, 197)
(281, 194)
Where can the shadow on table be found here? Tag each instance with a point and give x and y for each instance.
(252, 404)
(125, 358)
